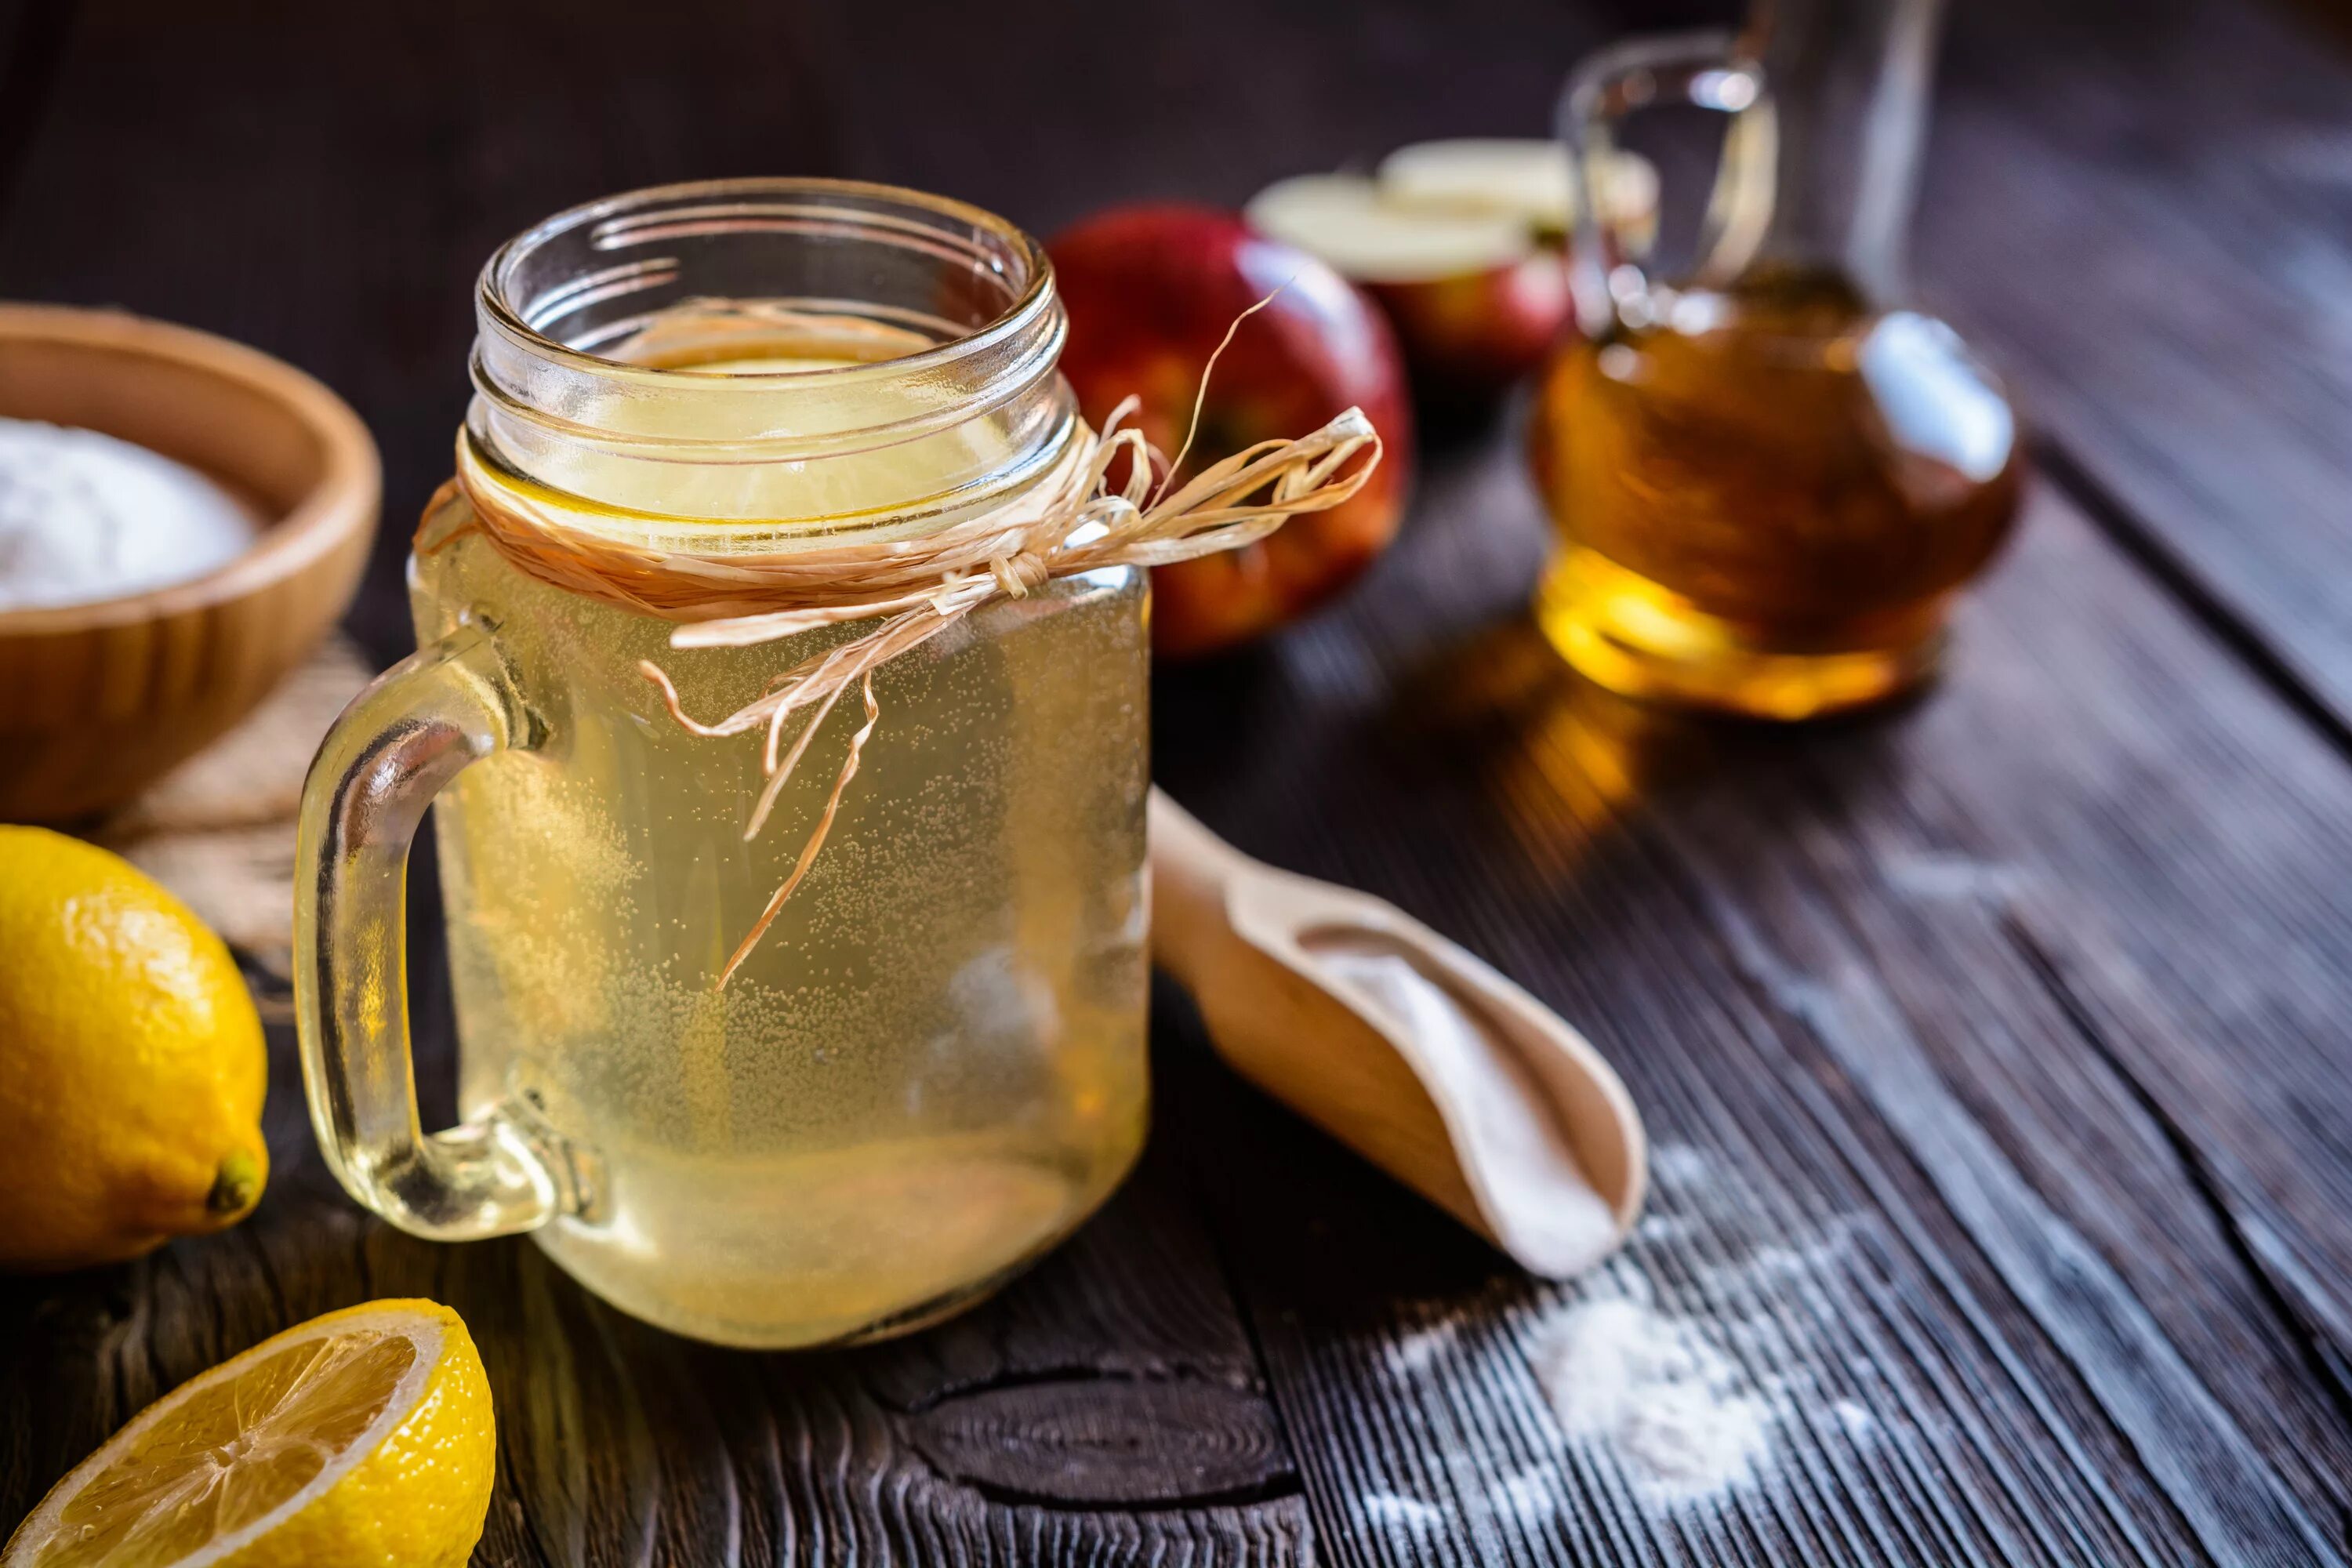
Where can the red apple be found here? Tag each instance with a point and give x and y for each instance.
(1471, 337)
(1150, 291)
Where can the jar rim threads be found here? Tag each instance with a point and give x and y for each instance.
(937, 330)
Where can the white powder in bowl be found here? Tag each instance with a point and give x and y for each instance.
(85, 517)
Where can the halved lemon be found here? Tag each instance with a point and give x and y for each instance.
(363, 1438)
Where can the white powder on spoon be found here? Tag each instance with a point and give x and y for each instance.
(86, 517)
(1543, 1208)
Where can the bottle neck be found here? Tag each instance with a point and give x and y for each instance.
(1844, 116)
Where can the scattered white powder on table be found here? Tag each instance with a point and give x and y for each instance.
(1417, 1349)
(1680, 1165)
(1410, 1514)
(1683, 1407)
(1651, 1390)
(1525, 1495)
(85, 517)
(1857, 1420)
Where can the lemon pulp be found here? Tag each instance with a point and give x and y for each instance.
(231, 1454)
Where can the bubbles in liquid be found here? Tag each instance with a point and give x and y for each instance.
(930, 1067)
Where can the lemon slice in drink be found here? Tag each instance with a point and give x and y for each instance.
(361, 1437)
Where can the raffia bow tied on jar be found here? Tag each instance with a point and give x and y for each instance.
(1074, 522)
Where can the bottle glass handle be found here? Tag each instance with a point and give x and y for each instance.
(388, 755)
(1702, 70)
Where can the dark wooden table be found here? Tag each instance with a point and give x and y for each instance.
(1996, 1050)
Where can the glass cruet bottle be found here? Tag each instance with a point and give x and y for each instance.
(1770, 477)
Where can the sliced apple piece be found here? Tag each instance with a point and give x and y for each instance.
(1489, 175)
(1476, 299)
(1519, 177)
(1344, 219)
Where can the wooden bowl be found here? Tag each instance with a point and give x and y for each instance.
(97, 701)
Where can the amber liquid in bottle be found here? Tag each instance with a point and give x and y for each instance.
(1766, 501)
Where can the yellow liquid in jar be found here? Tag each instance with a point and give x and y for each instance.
(929, 1069)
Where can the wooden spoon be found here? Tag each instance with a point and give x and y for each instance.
(1350, 1011)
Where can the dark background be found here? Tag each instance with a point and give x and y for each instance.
(1994, 1047)
(255, 169)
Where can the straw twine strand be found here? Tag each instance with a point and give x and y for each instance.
(1071, 522)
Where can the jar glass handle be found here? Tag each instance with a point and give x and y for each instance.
(1704, 69)
(388, 755)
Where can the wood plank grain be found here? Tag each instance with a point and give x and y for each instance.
(2144, 211)
(1146, 1443)
(1023, 1431)
(1825, 963)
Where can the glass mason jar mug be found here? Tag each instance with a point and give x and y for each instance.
(932, 1067)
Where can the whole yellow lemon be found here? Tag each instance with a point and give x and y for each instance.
(132, 1063)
